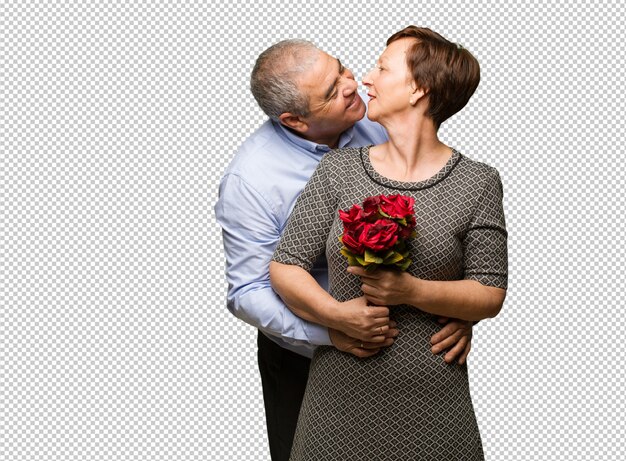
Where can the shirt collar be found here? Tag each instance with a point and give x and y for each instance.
(311, 146)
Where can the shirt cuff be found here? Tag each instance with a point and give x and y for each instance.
(317, 334)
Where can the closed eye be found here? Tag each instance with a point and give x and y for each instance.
(332, 91)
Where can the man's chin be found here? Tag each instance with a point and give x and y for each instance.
(359, 110)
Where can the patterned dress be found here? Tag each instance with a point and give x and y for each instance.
(405, 403)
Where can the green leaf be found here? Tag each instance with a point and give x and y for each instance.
(347, 253)
(352, 258)
(353, 261)
(400, 246)
(371, 257)
(404, 265)
(361, 260)
(393, 258)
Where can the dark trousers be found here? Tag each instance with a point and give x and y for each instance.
(284, 375)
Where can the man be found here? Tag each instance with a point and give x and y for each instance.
(314, 106)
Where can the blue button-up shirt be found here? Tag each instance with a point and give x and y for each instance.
(257, 194)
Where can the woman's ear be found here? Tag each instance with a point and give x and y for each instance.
(416, 94)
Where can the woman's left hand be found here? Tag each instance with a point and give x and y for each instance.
(385, 287)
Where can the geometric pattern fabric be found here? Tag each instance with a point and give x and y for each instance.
(404, 402)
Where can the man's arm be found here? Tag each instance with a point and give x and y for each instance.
(306, 298)
(250, 231)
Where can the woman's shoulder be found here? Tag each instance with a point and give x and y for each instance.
(479, 175)
(479, 171)
(341, 159)
(344, 154)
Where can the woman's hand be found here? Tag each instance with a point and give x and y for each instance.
(359, 320)
(385, 287)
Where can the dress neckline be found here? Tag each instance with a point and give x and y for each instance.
(402, 185)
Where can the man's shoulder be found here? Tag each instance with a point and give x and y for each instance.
(264, 152)
(268, 165)
(255, 148)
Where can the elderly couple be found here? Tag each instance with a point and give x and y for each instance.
(376, 387)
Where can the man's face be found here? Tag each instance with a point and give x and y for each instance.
(334, 103)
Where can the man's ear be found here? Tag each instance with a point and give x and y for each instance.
(295, 122)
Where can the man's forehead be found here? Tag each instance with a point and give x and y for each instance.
(329, 63)
(324, 70)
(321, 53)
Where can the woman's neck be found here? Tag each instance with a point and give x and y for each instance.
(411, 154)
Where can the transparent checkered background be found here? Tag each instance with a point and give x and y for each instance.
(117, 120)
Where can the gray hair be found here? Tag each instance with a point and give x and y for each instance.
(273, 81)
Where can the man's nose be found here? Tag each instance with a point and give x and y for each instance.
(350, 86)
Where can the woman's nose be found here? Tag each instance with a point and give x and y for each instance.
(367, 80)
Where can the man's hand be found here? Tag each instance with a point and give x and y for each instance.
(360, 348)
(361, 321)
(457, 334)
(385, 287)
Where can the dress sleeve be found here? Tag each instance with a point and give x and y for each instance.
(485, 242)
(306, 232)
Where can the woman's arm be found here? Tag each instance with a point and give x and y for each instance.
(462, 299)
(482, 291)
(303, 295)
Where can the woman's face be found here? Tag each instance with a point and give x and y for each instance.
(390, 85)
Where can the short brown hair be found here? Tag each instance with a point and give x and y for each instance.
(446, 71)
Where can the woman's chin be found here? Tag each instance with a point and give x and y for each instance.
(371, 112)
(372, 116)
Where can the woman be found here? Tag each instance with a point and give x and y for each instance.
(402, 403)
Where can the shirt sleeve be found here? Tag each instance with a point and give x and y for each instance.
(485, 242)
(250, 231)
(304, 238)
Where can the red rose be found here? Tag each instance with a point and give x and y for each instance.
(397, 206)
(406, 231)
(352, 216)
(351, 236)
(370, 207)
(381, 235)
(382, 227)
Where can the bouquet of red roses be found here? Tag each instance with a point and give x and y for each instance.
(376, 234)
